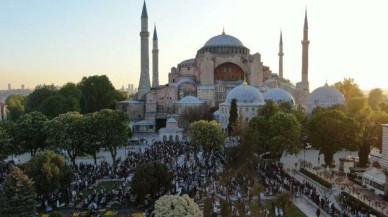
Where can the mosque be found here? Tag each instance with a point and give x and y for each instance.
(223, 69)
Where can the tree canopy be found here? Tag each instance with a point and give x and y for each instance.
(233, 116)
(49, 172)
(275, 129)
(35, 99)
(112, 130)
(30, 135)
(331, 131)
(97, 93)
(375, 98)
(15, 106)
(349, 88)
(6, 139)
(68, 132)
(206, 135)
(18, 197)
(151, 178)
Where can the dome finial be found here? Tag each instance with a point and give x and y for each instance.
(223, 30)
(326, 84)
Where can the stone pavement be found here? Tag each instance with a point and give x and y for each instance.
(307, 207)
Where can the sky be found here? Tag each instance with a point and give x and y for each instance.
(55, 42)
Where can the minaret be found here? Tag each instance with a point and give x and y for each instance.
(155, 60)
(305, 54)
(281, 54)
(144, 83)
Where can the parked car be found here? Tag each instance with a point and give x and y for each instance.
(307, 145)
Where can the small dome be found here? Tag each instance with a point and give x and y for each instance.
(190, 100)
(325, 96)
(224, 40)
(279, 94)
(171, 120)
(217, 114)
(188, 62)
(245, 94)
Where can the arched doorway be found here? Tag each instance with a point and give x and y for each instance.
(171, 138)
(176, 138)
(164, 138)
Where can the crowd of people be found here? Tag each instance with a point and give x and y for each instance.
(196, 174)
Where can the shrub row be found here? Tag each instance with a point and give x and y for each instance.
(316, 178)
(357, 203)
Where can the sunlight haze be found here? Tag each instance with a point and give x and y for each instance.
(45, 41)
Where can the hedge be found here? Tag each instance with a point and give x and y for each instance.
(352, 199)
(316, 178)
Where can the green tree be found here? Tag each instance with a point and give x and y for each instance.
(72, 95)
(6, 140)
(150, 178)
(49, 172)
(278, 133)
(268, 109)
(15, 106)
(233, 116)
(358, 108)
(97, 93)
(92, 144)
(67, 131)
(66, 99)
(112, 130)
(284, 134)
(30, 135)
(384, 107)
(206, 135)
(371, 135)
(331, 131)
(174, 205)
(349, 88)
(18, 197)
(375, 98)
(53, 106)
(36, 98)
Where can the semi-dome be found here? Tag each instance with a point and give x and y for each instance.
(223, 40)
(278, 94)
(245, 94)
(325, 96)
(190, 100)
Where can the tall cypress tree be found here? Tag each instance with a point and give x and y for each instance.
(18, 197)
(233, 116)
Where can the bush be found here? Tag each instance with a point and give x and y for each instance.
(316, 178)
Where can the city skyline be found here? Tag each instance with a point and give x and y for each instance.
(58, 42)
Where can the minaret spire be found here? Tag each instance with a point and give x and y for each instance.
(305, 54)
(281, 54)
(144, 13)
(155, 59)
(144, 83)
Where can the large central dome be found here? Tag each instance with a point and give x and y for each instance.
(224, 40)
(225, 45)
